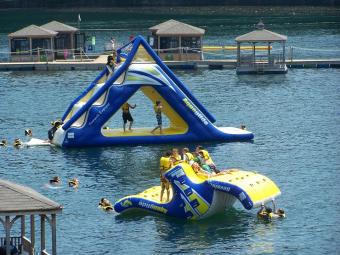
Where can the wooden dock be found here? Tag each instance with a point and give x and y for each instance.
(99, 63)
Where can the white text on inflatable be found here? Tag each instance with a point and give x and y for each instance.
(195, 111)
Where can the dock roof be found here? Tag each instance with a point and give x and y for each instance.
(59, 27)
(21, 200)
(33, 31)
(174, 27)
(261, 35)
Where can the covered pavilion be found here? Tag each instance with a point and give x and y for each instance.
(32, 43)
(66, 40)
(258, 63)
(175, 40)
(18, 202)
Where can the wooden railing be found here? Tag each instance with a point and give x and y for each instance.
(14, 241)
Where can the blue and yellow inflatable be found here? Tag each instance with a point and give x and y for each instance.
(84, 122)
(195, 196)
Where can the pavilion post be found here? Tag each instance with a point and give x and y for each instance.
(284, 52)
(32, 235)
(8, 234)
(238, 53)
(254, 57)
(269, 62)
(54, 234)
(42, 233)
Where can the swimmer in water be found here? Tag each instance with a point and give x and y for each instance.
(105, 204)
(55, 180)
(73, 183)
(17, 142)
(3, 142)
(28, 132)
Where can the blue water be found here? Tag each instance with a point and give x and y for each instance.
(295, 118)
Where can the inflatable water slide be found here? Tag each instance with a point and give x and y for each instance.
(194, 196)
(140, 69)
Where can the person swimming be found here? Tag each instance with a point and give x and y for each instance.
(3, 142)
(105, 204)
(73, 183)
(17, 142)
(55, 180)
(28, 132)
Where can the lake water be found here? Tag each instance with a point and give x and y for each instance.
(295, 119)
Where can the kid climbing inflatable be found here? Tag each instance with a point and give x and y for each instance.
(139, 69)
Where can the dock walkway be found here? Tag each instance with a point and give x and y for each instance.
(98, 64)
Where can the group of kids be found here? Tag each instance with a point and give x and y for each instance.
(200, 161)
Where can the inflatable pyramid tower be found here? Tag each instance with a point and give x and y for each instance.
(140, 69)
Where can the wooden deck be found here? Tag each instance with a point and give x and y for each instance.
(99, 63)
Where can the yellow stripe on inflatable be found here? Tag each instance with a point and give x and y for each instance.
(258, 187)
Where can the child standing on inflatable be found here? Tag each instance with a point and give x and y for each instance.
(127, 115)
(165, 164)
(158, 110)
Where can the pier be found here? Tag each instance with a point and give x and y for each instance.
(99, 63)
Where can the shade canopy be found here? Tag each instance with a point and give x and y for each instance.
(174, 27)
(33, 31)
(261, 35)
(21, 200)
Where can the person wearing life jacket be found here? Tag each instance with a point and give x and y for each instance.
(127, 115)
(164, 165)
(206, 159)
(187, 156)
(73, 183)
(105, 204)
(175, 157)
(17, 143)
(158, 107)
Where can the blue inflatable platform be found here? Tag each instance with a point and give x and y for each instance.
(195, 196)
(139, 69)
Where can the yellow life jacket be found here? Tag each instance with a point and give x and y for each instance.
(125, 107)
(176, 159)
(189, 157)
(207, 158)
(165, 163)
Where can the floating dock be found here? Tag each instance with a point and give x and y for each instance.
(98, 64)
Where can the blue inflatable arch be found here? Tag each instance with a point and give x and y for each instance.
(140, 69)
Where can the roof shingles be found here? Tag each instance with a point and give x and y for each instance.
(15, 198)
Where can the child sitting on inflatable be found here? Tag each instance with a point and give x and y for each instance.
(206, 162)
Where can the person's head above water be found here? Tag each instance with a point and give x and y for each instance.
(28, 132)
(109, 59)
